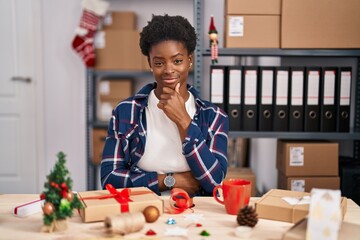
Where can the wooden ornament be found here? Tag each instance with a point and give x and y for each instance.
(151, 214)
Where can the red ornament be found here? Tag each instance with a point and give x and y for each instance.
(54, 185)
(42, 196)
(70, 196)
(150, 232)
(198, 225)
(48, 208)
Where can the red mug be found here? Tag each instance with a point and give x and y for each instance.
(236, 194)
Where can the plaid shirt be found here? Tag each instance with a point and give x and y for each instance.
(204, 148)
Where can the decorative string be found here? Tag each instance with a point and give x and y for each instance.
(125, 223)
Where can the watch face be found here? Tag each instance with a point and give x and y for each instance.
(169, 181)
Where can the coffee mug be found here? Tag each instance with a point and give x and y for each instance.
(236, 194)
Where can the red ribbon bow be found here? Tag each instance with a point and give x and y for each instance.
(122, 197)
(179, 201)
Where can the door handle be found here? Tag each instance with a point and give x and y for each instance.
(22, 79)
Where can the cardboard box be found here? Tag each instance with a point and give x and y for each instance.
(263, 7)
(118, 50)
(119, 20)
(305, 184)
(109, 94)
(243, 173)
(298, 231)
(320, 24)
(115, 88)
(272, 206)
(96, 210)
(98, 139)
(252, 31)
(307, 158)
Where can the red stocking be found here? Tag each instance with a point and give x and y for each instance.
(83, 42)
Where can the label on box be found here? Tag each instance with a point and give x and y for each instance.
(296, 156)
(236, 26)
(298, 185)
(99, 40)
(107, 20)
(104, 88)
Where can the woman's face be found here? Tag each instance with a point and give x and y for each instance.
(170, 62)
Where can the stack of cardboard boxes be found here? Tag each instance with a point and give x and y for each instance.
(117, 44)
(303, 165)
(292, 24)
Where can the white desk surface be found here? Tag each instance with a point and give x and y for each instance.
(220, 225)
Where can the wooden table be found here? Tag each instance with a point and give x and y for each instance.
(220, 225)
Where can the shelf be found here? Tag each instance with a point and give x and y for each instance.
(297, 135)
(260, 52)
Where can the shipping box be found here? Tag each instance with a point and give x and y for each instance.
(98, 139)
(118, 50)
(272, 206)
(119, 20)
(98, 209)
(320, 24)
(110, 92)
(253, 7)
(243, 173)
(252, 31)
(307, 158)
(305, 184)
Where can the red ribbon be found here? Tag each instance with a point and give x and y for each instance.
(179, 201)
(122, 197)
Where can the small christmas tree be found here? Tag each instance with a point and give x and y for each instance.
(59, 198)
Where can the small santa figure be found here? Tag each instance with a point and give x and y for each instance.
(213, 36)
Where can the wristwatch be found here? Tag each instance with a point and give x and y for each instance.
(169, 181)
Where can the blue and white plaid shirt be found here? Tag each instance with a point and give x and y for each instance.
(205, 145)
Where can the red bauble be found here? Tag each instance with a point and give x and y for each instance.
(70, 196)
(48, 208)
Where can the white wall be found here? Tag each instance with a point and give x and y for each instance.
(64, 89)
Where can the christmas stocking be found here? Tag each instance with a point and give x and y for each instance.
(83, 42)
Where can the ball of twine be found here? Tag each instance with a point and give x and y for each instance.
(125, 223)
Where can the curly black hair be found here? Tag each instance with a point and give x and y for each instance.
(162, 28)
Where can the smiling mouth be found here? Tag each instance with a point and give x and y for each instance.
(170, 80)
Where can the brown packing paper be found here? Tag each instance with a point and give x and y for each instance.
(272, 206)
(98, 209)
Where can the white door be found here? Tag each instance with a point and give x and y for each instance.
(19, 166)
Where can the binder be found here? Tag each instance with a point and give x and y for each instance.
(328, 104)
(281, 99)
(345, 78)
(234, 100)
(266, 89)
(312, 98)
(296, 95)
(218, 86)
(249, 98)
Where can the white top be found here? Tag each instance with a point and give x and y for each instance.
(163, 149)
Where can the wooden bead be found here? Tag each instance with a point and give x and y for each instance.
(151, 214)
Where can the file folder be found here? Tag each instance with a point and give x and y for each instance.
(296, 105)
(266, 89)
(312, 98)
(345, 78)
(281, 99)
(218, 86)
(249, 96)
(328, 104)
(234, 101)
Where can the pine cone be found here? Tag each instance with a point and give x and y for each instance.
(247, 217)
